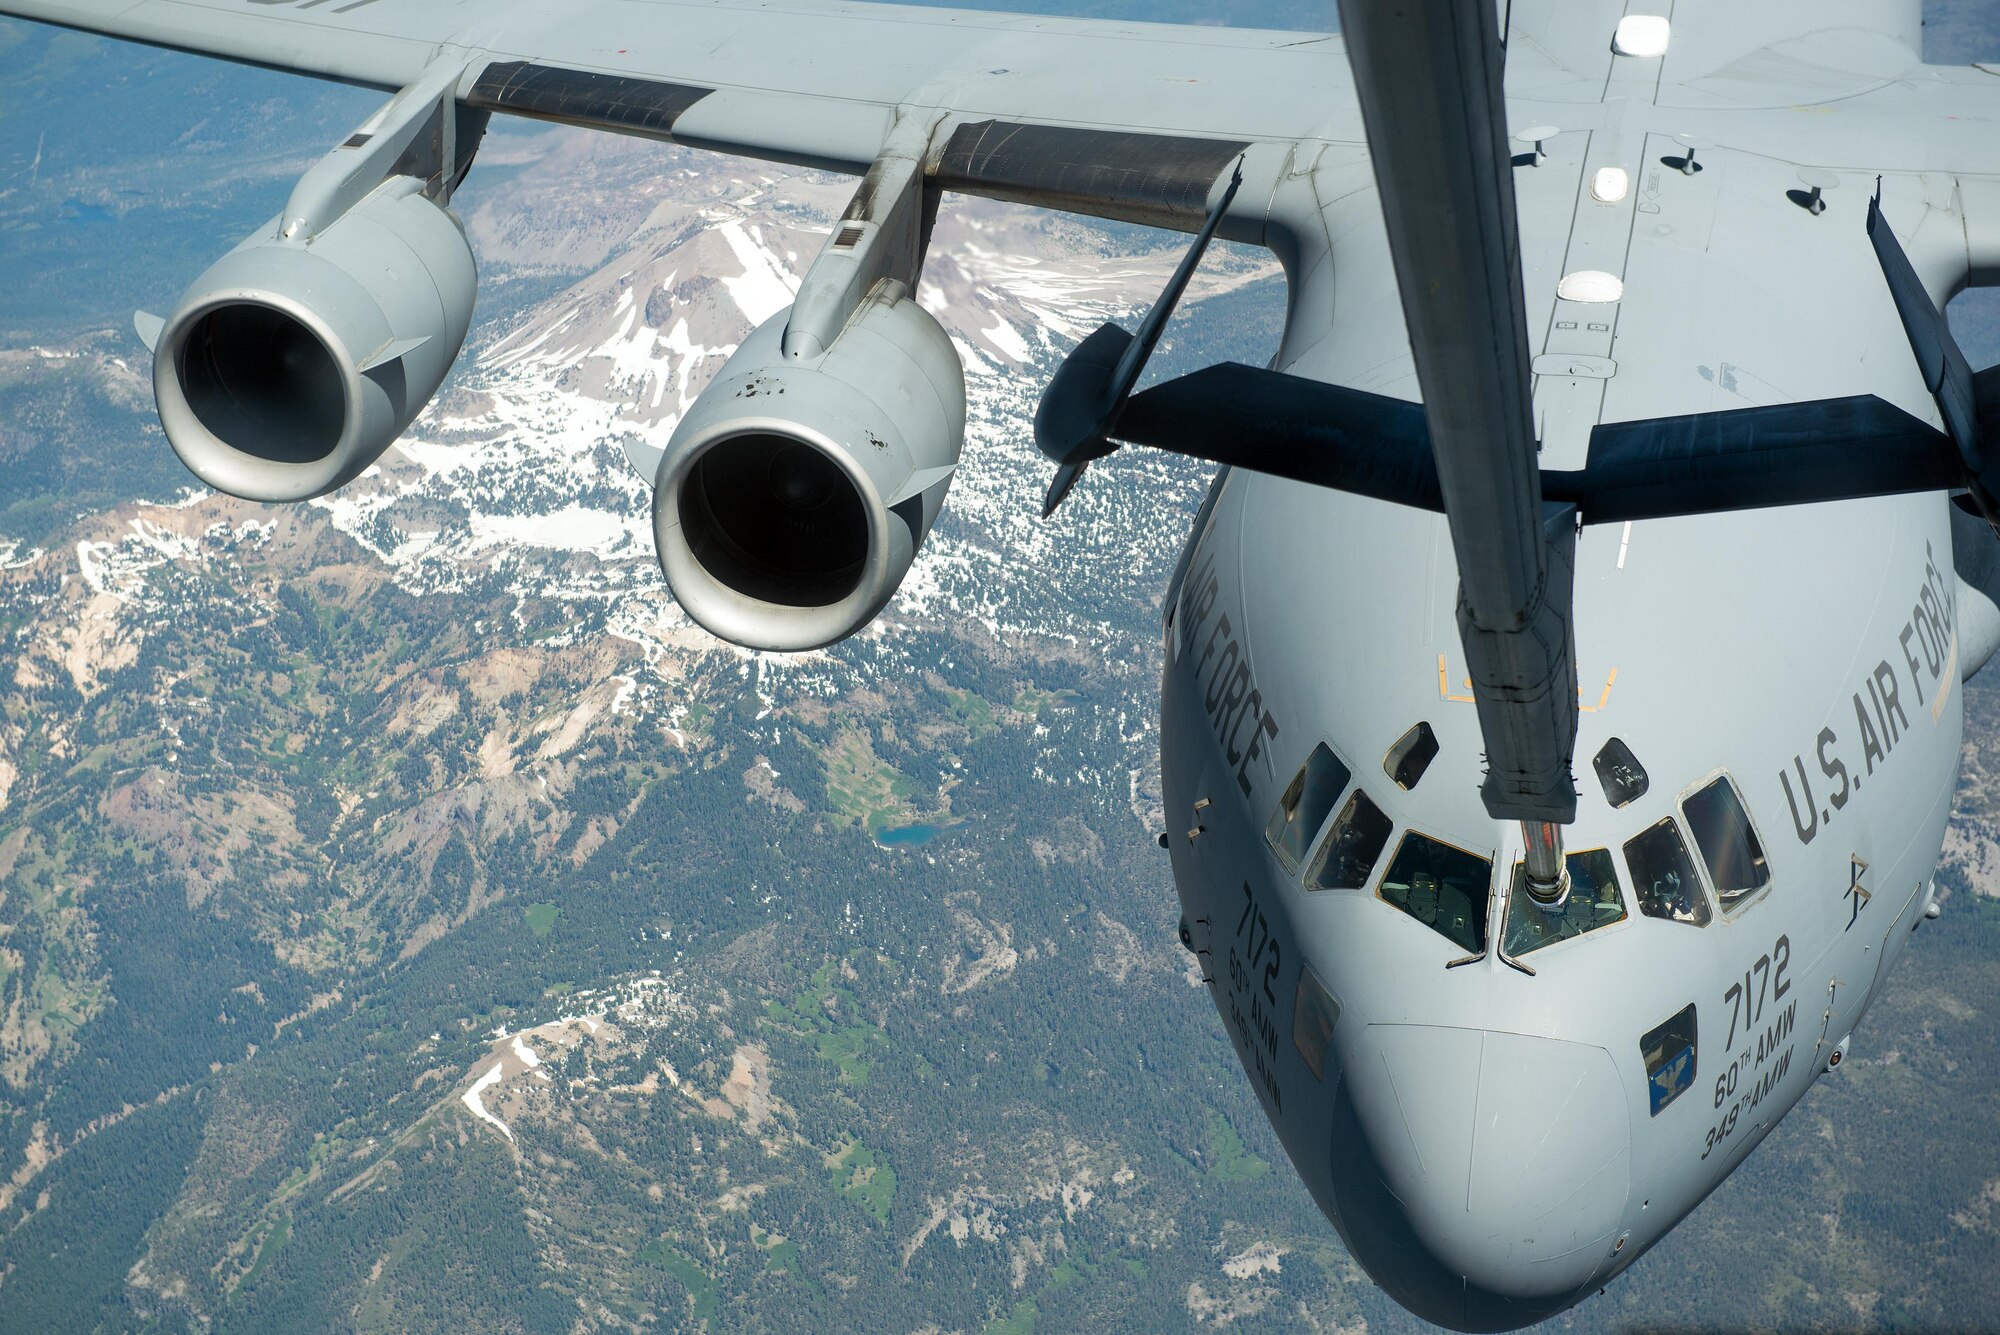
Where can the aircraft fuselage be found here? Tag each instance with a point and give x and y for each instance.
(1500, 1108)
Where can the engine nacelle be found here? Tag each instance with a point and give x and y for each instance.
(291, 365)
(796, 491)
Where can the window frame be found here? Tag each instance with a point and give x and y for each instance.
(1401, 835)
(1693, 1013)
(1416, 736)
(1322, 846)
(1621, 877)
(1598, 767)
(1677, 818)
(1725, 909)
(1315, 1056)
(1296, 871)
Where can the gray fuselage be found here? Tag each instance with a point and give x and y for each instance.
(1489, 1142)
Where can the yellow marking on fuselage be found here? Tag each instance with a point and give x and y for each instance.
(1945, 684)
(1603, 697)
(1444, 691)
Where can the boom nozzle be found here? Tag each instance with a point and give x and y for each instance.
(1548, 876)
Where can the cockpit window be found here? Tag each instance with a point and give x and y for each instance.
(1352, 849)
(1619, 771)
(1663, 879)
(1302, 810)
(1314, 1013)
(1411, 756)
(1728, 845)
(1594, 901)
(1669, 1051)
(1442, 887)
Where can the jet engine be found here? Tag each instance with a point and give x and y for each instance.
(795, 492)
(294, 362)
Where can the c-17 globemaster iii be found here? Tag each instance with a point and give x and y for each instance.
(1615, 417)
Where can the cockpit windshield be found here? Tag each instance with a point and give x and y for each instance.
(1302, 810)
(1594, 901)
(1728, 844)
(1663, 879)
(1442, 887)
(1351, 850)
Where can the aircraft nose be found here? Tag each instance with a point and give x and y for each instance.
(1506, 1157)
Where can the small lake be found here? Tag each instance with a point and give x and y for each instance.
(83, 212)
(909, 836)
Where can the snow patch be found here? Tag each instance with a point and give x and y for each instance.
(765, 287)
(471, 1099)
(1009, 341)
(1256, 1259)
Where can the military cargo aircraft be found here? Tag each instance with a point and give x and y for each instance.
(1615, 417)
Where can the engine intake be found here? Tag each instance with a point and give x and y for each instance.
(291, 365)
(775, 519)
(796, 491)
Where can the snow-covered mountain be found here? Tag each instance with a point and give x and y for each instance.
(521, 466)
(619, 278)
(523, 453)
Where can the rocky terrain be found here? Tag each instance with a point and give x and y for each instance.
(409, 921)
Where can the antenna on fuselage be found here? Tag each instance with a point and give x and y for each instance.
(1429, 75)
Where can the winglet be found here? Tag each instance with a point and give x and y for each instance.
(148, 327)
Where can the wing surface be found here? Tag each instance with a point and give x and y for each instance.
(1780, 53)
(1123, 120)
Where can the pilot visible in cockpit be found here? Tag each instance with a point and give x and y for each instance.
(1668, 897)
(1663, 875)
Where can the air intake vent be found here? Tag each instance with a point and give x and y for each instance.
(850, 236)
